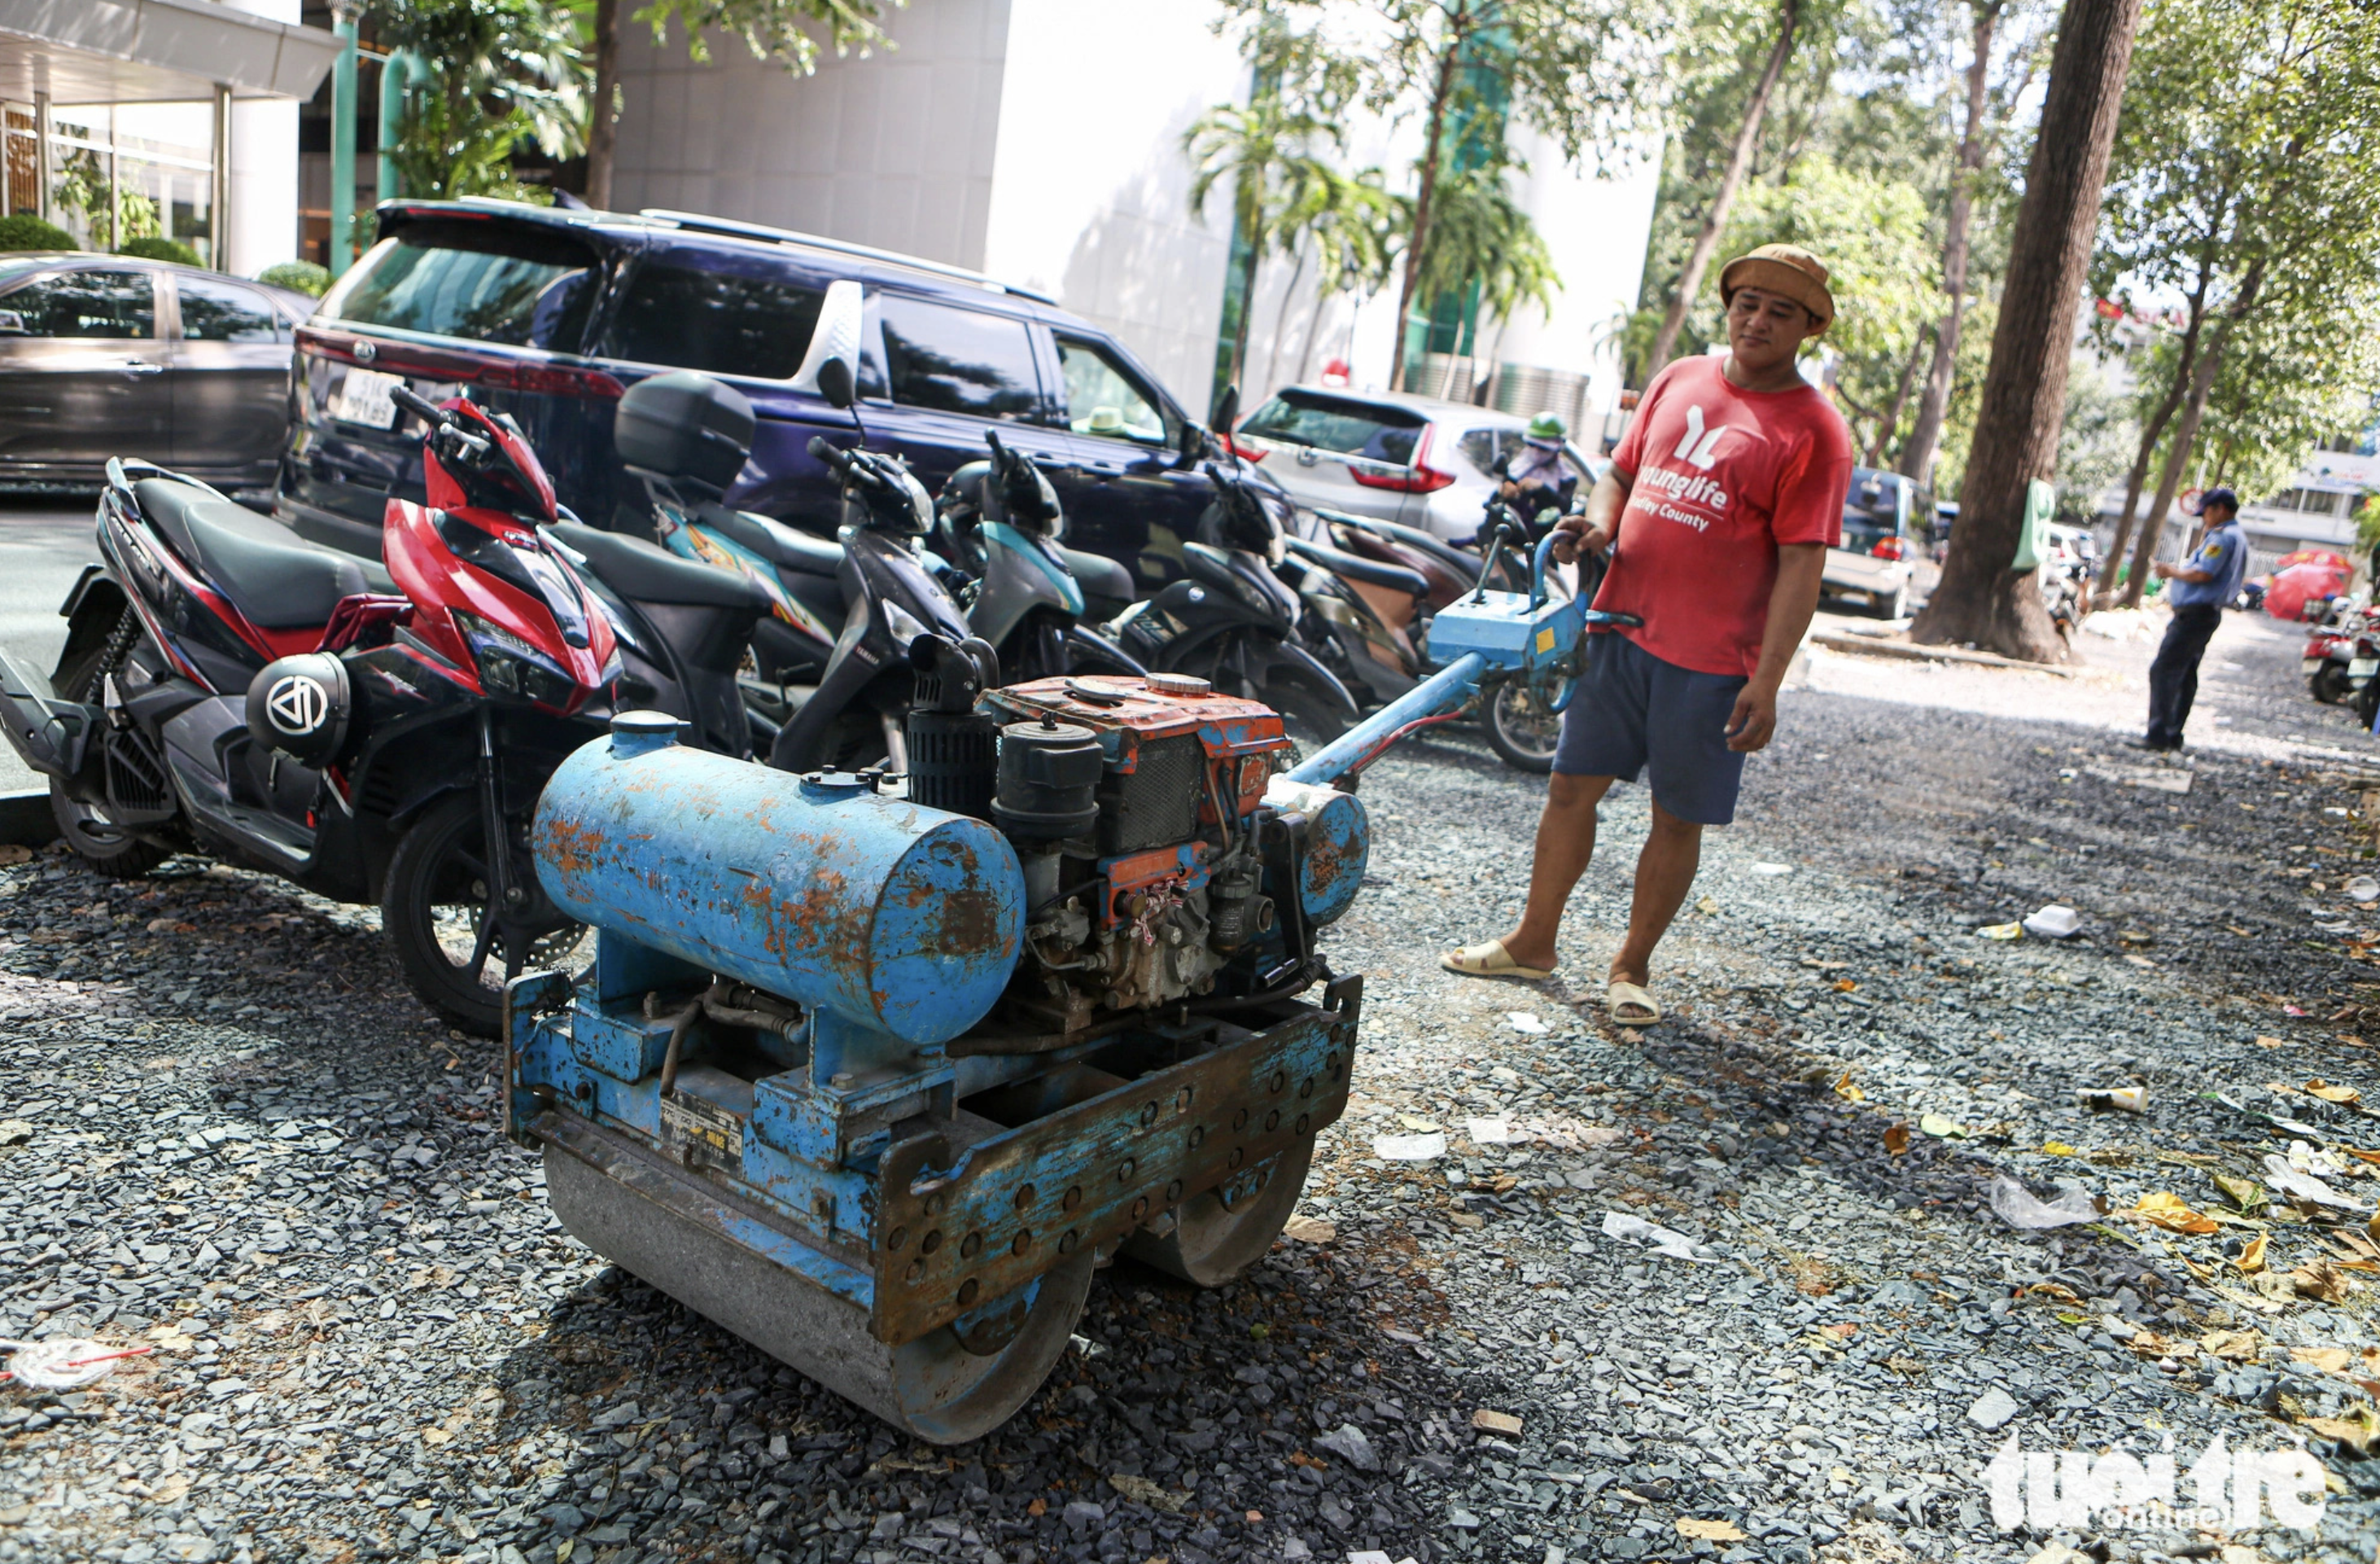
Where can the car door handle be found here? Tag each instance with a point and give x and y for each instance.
(1100, 469)
(142, 366)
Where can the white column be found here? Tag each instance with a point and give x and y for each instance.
(263, 229)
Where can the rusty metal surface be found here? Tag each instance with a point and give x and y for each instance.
(949, 1237)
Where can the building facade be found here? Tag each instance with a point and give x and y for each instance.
(124, 118)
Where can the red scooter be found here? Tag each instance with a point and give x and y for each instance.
(228, 687)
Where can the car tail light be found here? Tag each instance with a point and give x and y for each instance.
(1891, 548)
(1241, 448)
(1418, 478)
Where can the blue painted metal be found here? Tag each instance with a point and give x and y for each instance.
(902, 921)
(1442, 691)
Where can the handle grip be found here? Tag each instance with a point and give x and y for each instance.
(415, 403)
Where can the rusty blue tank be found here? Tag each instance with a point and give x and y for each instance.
(896, 919)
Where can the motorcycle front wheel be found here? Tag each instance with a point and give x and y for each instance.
(1521, 730)
(438, 909)
(2329, 684)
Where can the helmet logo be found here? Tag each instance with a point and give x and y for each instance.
(297, 705)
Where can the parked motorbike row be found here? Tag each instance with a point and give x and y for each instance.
(383, 736)
(2342, 656)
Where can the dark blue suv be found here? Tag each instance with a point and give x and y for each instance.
(549, 315)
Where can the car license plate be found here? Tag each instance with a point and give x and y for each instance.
(363, 398)
(2363, 667)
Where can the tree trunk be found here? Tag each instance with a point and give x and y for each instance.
(1917, 455)
(1247, 296)
(2184, 364)
(1981, 599)
(2177, 455)
(603, 130)
(1417, 242)
(1891, 419)
(1281, 320)
(1747, 136)
(1313, 329)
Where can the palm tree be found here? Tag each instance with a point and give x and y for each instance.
(1478, 234)
(1265, 150)
(1344, 222)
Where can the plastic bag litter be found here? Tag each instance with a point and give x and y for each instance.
(1489, 1131)
(2020, 1207)
(1409, 1148)
(1637, 1231)
(1524, 1022)
(2280, 1175)
(2054, 921)
(65, 1363)
(1772, 868)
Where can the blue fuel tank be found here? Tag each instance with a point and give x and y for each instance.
(900, 919)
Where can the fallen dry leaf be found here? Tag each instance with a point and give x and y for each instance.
(2056, 1148)
(1709, 1531)
(2235, 1346)
(2319, 1279)
(1844, 986)
(1896, 1139)
(2252, 1258)
(2166, 1209)
(2358, 1430)
(1848, 1092)
(2272, 1042)
(15, 1132)
(1842, 1330)
(2330, 1360)
(2241, 1192)
(13, 853)
(2343, 1096)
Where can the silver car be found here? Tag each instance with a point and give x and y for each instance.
(1410, 459)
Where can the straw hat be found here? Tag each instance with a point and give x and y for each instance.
(1786, 269)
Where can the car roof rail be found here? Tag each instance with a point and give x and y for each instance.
(696, 222)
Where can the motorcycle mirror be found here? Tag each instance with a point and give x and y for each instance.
(831, 366)
(1227, 410)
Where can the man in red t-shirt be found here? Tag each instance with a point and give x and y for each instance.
(1717, 513)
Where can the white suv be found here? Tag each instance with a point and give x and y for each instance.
(1412, 459)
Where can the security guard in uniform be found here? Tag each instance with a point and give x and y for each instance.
(2201, 586)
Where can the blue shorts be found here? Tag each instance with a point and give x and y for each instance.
(1632, 711)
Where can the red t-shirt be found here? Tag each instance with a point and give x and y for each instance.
(1721, 477)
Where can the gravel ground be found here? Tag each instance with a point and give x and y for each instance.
(226, 1132)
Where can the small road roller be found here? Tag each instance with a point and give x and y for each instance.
(875, 1076)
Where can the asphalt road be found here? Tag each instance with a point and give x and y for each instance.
(44, 544)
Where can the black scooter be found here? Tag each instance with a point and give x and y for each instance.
(1233, 622)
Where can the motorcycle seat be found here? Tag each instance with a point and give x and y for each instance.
(276, 579)
(1464, 565)
(644, 572)
(1354, 567)
(1099, 575)
(780, 545)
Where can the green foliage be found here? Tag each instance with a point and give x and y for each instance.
(499, 71)
(772, 29)
(158, 247)
(23, 230)
(1478, 234)
(79, 184)
(298, 276)
(2258, 207)
(2096, 443)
